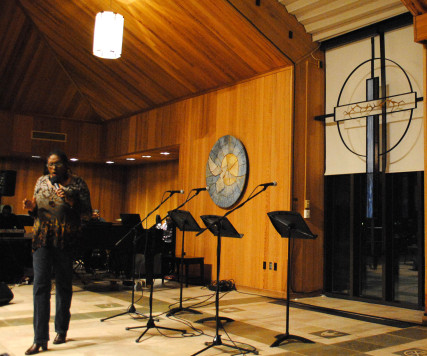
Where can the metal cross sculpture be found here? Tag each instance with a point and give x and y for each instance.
(376, 106)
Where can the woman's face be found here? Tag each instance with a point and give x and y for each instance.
(56, 167)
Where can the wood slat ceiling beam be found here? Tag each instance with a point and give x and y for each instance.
(325, 19)
(272, 20)
(416, 7)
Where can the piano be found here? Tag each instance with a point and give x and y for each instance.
(110, 246)
(97, 249)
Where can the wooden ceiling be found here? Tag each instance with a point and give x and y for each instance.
(171, 50)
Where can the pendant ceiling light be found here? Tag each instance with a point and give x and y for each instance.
(108, 35)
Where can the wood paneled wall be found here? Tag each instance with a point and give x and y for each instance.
(145, 186)
(259, 113)
(27, 172)
(152, 129)
(106, 184)
(84, 139)
(308, 172)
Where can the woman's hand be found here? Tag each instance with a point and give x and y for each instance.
(29, 204)
(60, 192)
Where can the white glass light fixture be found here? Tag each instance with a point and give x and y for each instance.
(108, 35)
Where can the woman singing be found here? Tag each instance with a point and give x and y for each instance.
(61, 201)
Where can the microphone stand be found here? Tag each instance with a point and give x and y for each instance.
(167, 215)
(150, 322)
(181, 266)
(132, 309)
(217, 339)
(180, 206)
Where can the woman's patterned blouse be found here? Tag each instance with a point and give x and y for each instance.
(56, 222)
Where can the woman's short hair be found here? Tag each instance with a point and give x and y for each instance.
(62, 156)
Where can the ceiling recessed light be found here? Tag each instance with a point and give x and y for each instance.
(109, 162)
(165, 153)
(130, 159)
(146, 156)
(74, 159)
(36, 156)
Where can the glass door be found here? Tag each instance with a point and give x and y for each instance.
(372, 260)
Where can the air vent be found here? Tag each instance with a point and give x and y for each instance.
(49, 136)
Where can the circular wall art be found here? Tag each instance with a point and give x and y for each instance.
(226, 171)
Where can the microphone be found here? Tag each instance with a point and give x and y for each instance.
(54, 181)
(198, 190)
(175, 191)
(265, 185)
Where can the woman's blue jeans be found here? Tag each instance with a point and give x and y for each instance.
(48, 260)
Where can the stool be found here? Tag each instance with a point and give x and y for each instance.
(189, 260)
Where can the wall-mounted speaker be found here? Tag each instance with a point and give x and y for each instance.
(7, 183)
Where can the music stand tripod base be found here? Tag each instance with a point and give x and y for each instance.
(151, 319)
(218, 342)
(152, 325)
(212, 318)
(287, 337)
(131, 310)
(178, 310)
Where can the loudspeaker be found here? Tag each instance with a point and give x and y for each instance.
(7, 183)
(6, 294)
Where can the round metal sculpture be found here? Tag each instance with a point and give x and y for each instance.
(226, 171)
(363, 109)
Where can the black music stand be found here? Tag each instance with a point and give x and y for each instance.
(185, 222)
(291, 225)
(219, 226)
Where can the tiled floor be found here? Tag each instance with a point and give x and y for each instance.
(257, 320)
